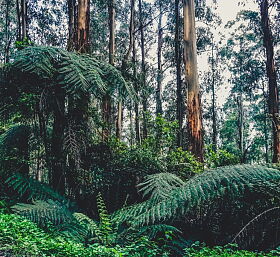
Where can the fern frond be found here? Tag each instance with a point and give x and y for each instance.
(44, 212)
(255, 231)
(77, 73)
(158, 186)
(203, 190)
(91, 226)
(33, 189)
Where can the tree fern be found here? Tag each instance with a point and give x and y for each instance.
(44, 212)
(75, 72)
(204, 190)
(158, 186)
(32, 189)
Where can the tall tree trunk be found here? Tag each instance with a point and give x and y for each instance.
(143, 71)
(159, 57)
(112, 25)
(78, 122)
(57, 156)
(106, 100)
(213, 107)
(7, 31)
(194, 116)
(72, 23)
(178, 60)
(18, 21)
(82, 43)
(265, 131)
(136, 86)
(131, 35)
(241, 126)
(24, 19)
(273, 98)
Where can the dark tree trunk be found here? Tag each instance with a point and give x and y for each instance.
(273, 97)
(7, 31)
(194, 116)
(178, 60)
(72, 24)
(57, 156)
(18, 21)
(159, 57)
(24, 19)
(143, 71)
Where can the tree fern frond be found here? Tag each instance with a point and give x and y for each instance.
(90, 225)
(255, 231)
(77, 73)
(203, 190)
(159, 185)
(33, 189)
(43, 212)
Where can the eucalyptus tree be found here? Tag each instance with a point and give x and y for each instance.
(194, 114)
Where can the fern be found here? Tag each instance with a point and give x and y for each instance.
(33, 189)
(264, 226)
(44, 212)
(159, 185)
(77, 73)
(205, 190)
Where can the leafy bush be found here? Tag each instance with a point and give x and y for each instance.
(198, 250)
(219, 158)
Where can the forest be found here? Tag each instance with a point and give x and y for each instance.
(139, 128)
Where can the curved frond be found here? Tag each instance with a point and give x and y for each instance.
(204, 190)
(43, 212)
(158, 186)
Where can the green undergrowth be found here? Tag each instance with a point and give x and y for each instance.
(20, 237)
(201, 250)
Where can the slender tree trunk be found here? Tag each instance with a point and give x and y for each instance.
(136, 86)
(194, 116)
(143, 71)
(57, 155)
(241, 126)
(159, 57)
(273, 98)
(72, 21)
(112, 25)
(178, 60)
(214, 118)
(265, 131)
(131, 35)
(24, 19)
(7, 31)
(18, 21)
(106, 101)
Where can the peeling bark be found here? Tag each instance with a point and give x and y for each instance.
(194, 116)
